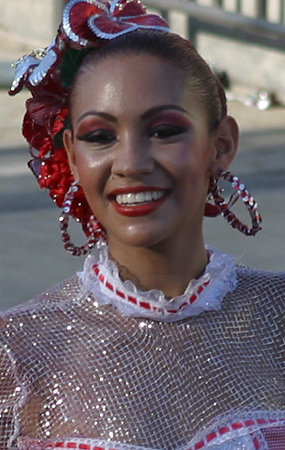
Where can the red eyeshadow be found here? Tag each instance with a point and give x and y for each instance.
(92, 124)
(170, 118)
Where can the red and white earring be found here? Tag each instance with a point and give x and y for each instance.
(94, 230)
(222, 207)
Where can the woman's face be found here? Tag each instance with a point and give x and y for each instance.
(141, 150)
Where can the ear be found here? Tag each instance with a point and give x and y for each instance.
(226, 145)
(69, 148)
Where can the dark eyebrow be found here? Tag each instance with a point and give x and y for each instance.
(156, 110)
(104, 115)
(147, 115)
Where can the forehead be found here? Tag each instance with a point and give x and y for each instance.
(130, 81)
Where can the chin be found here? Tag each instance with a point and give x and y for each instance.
(139, 236)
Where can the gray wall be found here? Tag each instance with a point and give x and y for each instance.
(247, 64)
(30, 20)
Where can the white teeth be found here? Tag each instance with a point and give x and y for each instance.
(148, 196)
(141, 197)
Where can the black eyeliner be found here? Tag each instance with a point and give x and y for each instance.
(84, 137)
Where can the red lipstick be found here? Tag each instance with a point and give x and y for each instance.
(139, 209)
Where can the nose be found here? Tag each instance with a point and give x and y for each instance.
(133, 157)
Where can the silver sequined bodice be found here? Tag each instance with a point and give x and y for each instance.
(72, 368)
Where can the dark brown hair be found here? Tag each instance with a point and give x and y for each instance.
(175, 50)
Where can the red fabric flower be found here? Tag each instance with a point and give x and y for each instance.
(43, 120)
(84, 22)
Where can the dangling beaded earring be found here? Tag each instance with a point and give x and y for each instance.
(93, 227)
(222, 207)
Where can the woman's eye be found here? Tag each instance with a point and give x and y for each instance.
(101, 137)
(166, 131)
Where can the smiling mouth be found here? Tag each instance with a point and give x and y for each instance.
(137, 201)
(140, 198)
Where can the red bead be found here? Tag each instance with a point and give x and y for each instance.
(249, 423)
(109, 286)
(120, 294)
(257, 443)
(199, 445)
(211, 436)
(224, 430)
(237, 425)
(145, 305)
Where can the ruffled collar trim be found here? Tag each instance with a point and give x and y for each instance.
(101, 277)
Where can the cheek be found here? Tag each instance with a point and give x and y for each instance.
(187, 160)
(85, 160)
(189, 166)
(93, 168)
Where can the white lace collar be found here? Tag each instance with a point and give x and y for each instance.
(101, 277)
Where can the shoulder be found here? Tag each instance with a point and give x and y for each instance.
(264, 289)
(26, 335)
(29, 331)
(267, 281)
(59, 297)
(258, 305)
(260, 275)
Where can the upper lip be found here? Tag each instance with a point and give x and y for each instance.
(134, 190)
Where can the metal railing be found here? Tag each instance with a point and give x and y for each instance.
(272, 11)
(256, 21)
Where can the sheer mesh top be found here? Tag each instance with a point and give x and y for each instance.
(75, 373)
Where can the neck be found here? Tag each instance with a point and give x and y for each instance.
(167, 268)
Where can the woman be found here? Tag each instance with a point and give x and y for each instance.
(160, 342)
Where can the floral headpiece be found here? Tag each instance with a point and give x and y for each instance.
(48, 74)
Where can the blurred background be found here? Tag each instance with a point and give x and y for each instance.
(244, 43)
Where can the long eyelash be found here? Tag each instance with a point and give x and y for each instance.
(172, 130)
(96, 137)
(84, 137)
